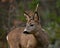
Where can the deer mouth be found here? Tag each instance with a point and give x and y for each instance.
(25, 32)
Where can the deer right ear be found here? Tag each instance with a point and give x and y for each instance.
(26, 15)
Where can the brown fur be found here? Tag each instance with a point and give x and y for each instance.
(17, 37)
(36, 39)
(39, 33)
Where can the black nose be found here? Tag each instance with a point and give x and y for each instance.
(31, 25)
(25, 32)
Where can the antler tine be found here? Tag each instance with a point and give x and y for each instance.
(37, 7)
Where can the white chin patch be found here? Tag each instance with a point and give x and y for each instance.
(25, 29)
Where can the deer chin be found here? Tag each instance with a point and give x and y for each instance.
(25, 32)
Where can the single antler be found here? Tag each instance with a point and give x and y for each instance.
(37, 7)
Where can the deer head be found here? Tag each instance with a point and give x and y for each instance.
(32, 21)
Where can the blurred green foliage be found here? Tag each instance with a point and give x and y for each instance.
(33, 4)
(58, 4)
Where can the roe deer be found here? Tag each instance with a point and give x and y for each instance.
(33, 26)
(31, 36)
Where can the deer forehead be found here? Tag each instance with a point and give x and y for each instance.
(31, 21)
(30, 13)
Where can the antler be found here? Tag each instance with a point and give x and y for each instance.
(37, 7)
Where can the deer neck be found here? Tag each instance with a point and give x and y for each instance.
(37, 30)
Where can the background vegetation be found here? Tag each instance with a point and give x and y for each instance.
(11, 15)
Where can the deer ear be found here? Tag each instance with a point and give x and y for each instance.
(36, 17)
(26, 15)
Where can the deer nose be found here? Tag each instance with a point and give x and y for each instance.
(31, 25)
(25, 32)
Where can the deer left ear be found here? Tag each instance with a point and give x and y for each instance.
(36, 17)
